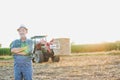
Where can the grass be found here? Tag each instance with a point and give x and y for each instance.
(6, 57)
(94, 54)
(114, 52)
(88, 54)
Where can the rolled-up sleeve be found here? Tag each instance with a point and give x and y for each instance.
(12, 45)
(31, 47)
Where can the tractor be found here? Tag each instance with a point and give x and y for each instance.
(43, 50)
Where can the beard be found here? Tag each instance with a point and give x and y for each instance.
(22, 35)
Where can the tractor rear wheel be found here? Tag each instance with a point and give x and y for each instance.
(55, 58)
(39, 58)
(46, 59)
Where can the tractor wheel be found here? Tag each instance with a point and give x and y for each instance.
(39, 58)
(55, 58)
(46, 59)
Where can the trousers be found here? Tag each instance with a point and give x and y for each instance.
(23, 71)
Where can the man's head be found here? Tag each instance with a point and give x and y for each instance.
(22, 31)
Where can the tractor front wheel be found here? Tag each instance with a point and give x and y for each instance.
(39, 58)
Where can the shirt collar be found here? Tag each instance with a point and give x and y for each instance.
(23, 41)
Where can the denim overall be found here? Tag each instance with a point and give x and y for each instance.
(23, 64)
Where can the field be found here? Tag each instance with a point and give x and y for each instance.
(82, 66)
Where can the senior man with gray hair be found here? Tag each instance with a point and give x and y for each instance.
(22, 50)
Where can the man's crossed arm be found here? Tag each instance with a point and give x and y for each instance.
(19, 50)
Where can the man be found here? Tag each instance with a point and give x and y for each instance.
(22, 51)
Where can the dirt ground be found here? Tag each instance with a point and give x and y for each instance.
(102, 67)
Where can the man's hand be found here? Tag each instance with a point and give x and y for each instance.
(25, 48)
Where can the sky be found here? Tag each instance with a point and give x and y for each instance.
(83, 21)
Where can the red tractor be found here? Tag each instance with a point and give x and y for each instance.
(43, 50)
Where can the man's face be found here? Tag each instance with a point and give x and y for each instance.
(22, 32)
